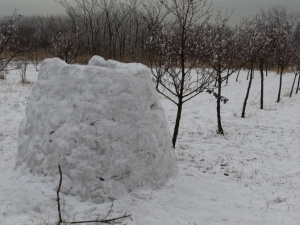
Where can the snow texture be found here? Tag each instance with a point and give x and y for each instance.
(260, 155)
(103, 123)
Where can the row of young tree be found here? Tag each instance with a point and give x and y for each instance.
(189, 47)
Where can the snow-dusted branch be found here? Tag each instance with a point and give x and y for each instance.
(174, 47)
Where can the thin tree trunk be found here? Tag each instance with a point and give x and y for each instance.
(293, 85)
(180, 100)
(227, 78)
(262, 85)
(220, 128)
(298, 86)
(248, 73)
(266, 68)
(280, 84)
(248, 91)
(237, 76)
(176, 128)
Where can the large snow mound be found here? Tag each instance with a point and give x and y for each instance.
(102, 122)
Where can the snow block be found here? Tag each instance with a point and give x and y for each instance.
(103, 123)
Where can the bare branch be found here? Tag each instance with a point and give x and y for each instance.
(104, 220)
(58, 198)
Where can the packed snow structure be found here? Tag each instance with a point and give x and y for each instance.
(103, 123)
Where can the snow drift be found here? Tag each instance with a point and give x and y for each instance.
(103, 123)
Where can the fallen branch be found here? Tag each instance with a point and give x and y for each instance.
(107, 221)
(104, 220)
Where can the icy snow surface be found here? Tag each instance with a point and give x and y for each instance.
(103, 124)
(260, 154)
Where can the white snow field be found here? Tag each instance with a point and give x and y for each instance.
(260, 154)
(105, 126)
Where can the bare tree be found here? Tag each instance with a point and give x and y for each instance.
(29, 39)
(9, 46)
(250, 58)
(174, 52)
(295, 60)
(66, 43)
(22, 65)
(221, 55)
(87, 15)
(254, 51)
(44, 32)
(264, 45)
(295, 65)
(283, 24)
(113, 29)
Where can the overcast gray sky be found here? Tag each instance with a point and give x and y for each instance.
(30, 7)
(241, 8)
(245, 8)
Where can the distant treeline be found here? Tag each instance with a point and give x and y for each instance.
(123, 30)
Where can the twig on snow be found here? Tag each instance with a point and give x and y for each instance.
(57, 194)
(104, 220)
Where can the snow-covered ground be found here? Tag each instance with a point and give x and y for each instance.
(249, 176)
